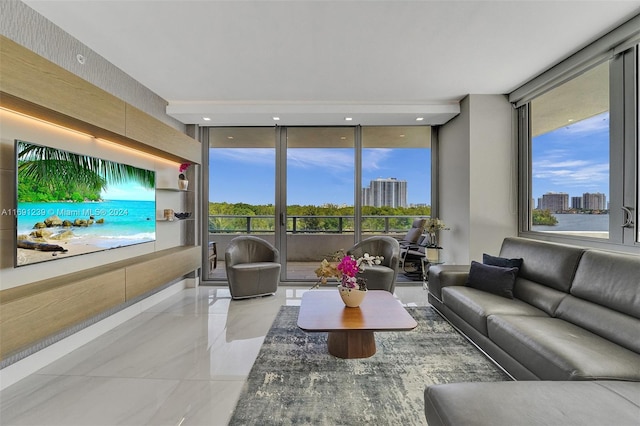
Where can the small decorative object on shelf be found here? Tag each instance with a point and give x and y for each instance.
(432, 227)
(168, 214)
(182, 215)
(183, 183)
(345, 268)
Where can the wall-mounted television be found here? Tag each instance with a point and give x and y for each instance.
(68, 204)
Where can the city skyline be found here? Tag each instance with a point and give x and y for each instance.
(573, 159)
(562, 201)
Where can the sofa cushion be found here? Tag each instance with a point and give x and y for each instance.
(533, 403)
(609, 279)
(492, 279)
(549, 264)
(612, 325)
(474, 306)
(503, 262)
(554, 349)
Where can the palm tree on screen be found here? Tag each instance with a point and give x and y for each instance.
(62, 169)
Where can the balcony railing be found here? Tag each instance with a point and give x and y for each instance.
(260, 224)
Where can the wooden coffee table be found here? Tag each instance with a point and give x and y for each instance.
(351, 329)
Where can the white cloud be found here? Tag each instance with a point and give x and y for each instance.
(319, 157)
(306, 157)
(572, 173)
(246, 155)
(373, 158)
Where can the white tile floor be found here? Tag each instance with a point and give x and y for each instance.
(182, 362)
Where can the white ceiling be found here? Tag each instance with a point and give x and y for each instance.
(316, 62)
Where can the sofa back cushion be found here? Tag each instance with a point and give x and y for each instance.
(549, 264)
(605, 297)
(612, 325)
(609, 279)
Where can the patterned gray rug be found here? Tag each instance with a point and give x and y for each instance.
(294, 381)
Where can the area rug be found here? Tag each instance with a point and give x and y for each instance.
(294, 380)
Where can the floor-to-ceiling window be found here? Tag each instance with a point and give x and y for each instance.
(241, 190)
(302, 188)
(396, 177)
(570, 157)
(319, 197)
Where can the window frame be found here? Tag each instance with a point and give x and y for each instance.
(624, 160)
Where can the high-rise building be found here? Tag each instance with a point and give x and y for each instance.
(594, 201)
(366, 196)
(389, 192)
(576, 203)
(555, 201)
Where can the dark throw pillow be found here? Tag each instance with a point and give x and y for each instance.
(503, 262)
(492, 279)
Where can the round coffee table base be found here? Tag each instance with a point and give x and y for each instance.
(351, 344)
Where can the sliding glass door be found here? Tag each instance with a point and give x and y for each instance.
(241, 190)
(319, 197)
(396, 177)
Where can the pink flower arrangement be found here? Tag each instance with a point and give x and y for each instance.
(184, 167)
(345, 268)
(349, 268)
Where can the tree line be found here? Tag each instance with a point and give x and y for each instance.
(310, 218)
(543, 217)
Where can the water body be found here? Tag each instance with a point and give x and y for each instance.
(577, 222)
(125, 222)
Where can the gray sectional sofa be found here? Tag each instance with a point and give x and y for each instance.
(574, 316)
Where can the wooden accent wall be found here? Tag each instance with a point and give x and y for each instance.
(35, 79)
(34, 86)
(35, 311)
(141, 126)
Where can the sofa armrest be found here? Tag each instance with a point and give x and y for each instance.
(446, 275)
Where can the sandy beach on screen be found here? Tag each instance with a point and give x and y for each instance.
(73, 246)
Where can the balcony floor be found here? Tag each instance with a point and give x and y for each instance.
(304, 272)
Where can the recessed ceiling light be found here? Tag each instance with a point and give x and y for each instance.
(276, 118)
(420, 119)
(343, 138)
(229, 137)
(402, 136)
(206, 118)
(348, 119)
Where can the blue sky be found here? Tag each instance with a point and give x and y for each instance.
(573, 159)
(128, 191)
(315, 176)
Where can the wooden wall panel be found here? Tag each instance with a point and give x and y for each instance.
(26, 318)
(35, 79)
(32, 85)
(142, 127)
(144, 276)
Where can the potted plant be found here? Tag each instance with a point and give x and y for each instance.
(345, 269)
(183, 182)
